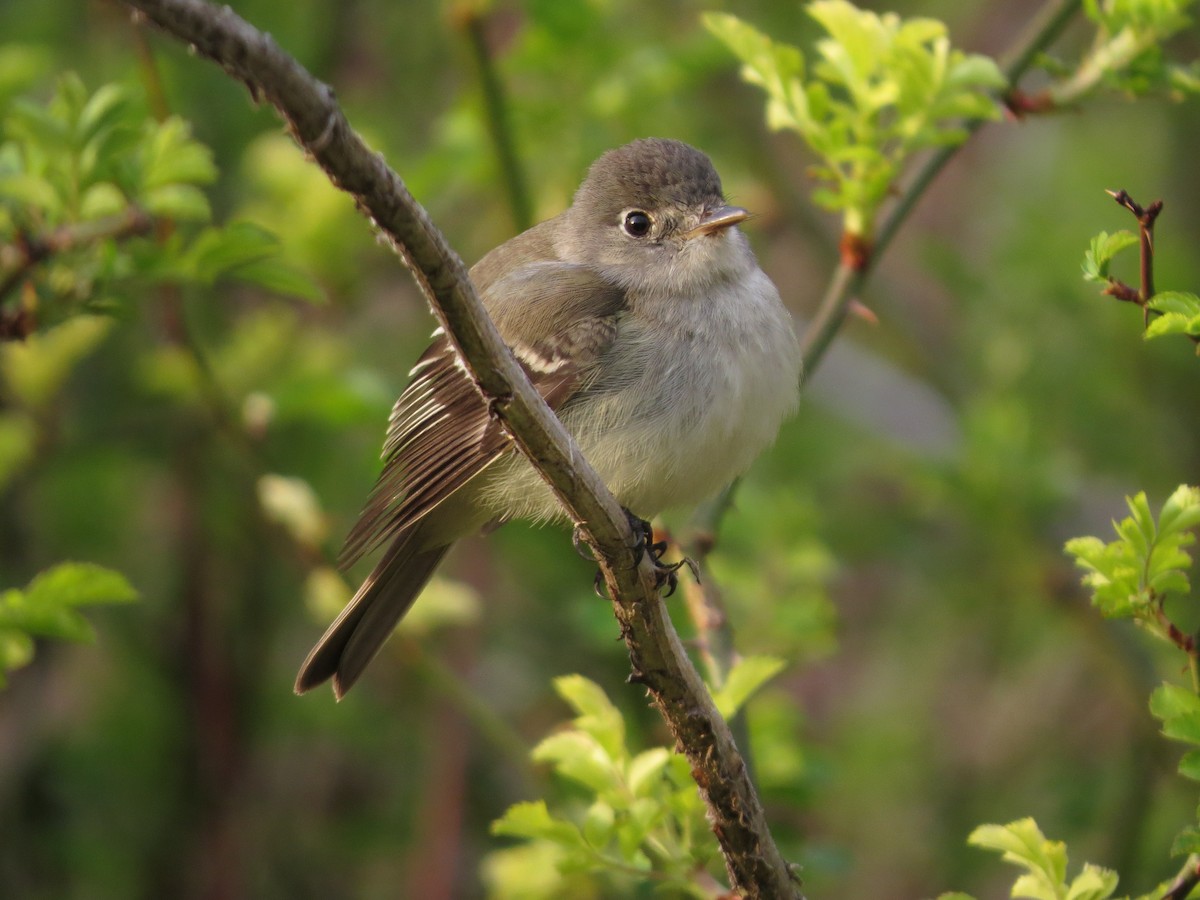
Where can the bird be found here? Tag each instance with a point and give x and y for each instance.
(642, 317)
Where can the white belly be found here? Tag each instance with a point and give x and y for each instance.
(705, 390)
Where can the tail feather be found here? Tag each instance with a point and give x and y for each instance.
(357, 635)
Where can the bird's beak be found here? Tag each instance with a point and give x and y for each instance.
(717, 219)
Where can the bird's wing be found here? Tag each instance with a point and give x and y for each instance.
(558, 318)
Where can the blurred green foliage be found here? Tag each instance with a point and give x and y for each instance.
(899, 547)
(47, 609)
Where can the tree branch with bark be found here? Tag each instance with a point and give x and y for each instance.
(659, 662)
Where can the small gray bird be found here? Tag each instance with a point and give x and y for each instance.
(642, 317)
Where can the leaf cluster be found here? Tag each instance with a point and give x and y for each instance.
(643, 820)
(1127, 51)
(879, 89)
(1178, 312)
(1045, 863)
(49, 607)
(95, 194)
(1131, 576)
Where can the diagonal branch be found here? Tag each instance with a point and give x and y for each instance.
(756, 868)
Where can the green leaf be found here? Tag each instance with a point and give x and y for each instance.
(172, 157)
(44, 619)
(743, 680)
(100, 200)
(598, 824)
(881, 89)
(1093, 883)
(1181, 511)
(1186, 842)
(181, 202)
(1189, 765)
(32, 191)
(16, 648)
(1179, 711)
(1180, 314)
(1103, 249)
(580, 757)
(1023, 844)
(47, 606)
(645, 769)
(533, 820)
(103, 110)
(597, 715)
(276, 275)
(80, 584)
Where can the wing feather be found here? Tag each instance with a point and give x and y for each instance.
(441, 433)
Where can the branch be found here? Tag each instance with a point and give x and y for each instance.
(1146, 217)
(755, 866)
(1188, 878)
(31, 250)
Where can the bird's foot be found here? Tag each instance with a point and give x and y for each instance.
(665, 574)
(643, 533)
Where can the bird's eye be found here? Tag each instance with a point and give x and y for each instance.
(637, 223)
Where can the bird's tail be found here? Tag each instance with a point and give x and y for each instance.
(354, 638)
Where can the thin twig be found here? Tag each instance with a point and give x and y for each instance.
(35, 249)
(1146, 217)
(756, 868)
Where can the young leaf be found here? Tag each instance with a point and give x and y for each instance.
(80, 584)
(597, 716)
(580, 757)
(645, 768)
(1093, 883)
(1022, 843)
(1180, 314)
(533, 820)
(881, 89)
(1186, 842)
(1179, 711)
(743, 680)
(1098, 257)
(1189, 765)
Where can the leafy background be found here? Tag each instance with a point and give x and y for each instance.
(900, 546)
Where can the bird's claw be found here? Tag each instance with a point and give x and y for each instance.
(668, 574)
(665, 573)
(581, 545)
